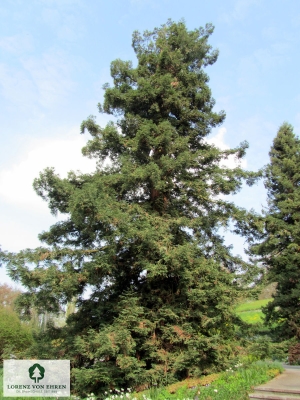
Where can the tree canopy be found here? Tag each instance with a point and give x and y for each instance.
(280, 242)
(142, 232)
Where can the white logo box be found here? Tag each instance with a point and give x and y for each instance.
(36, 378)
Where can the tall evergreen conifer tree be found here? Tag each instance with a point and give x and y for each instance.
(142, 231)
(280, 247)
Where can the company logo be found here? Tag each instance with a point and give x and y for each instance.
(36, 372)
(36, 378)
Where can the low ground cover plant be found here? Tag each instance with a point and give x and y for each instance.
(233, 384)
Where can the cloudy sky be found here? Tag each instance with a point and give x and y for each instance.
(55, 56)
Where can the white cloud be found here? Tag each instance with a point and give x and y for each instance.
(17, 44)
(218, 141)
(39, 81)
(17, 235)
(64, 154)
(23, 214)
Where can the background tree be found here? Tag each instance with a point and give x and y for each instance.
(142, 231)
(280, 245)
(8, 296)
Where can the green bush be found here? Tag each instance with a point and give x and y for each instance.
(14, 336)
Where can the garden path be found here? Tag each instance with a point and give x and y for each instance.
(285, 386)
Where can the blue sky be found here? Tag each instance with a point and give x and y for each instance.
(55, 56)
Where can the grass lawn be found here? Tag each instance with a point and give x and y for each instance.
(252, 317)
(250, 311)
(252, 305)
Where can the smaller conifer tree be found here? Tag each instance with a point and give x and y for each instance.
(280, 247)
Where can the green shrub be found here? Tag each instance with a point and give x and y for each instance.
(14, 336)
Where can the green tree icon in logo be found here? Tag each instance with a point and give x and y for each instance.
(36, 372)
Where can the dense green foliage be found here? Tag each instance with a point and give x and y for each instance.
(280, 245)
(142, 231)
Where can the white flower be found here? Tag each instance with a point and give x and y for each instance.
(215, 390)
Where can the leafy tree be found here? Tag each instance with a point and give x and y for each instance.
(142, 232)
(280, 242)
(8, 295)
